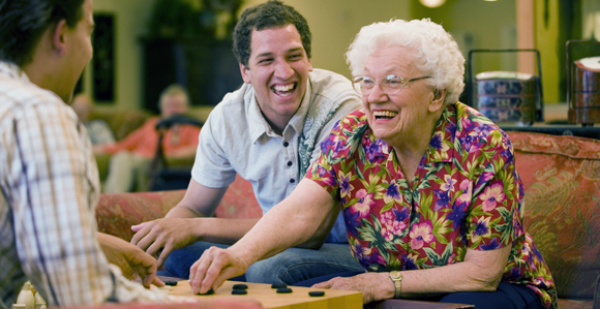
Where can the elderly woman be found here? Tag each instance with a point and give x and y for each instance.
(427, 186)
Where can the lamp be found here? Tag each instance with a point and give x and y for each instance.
(432, 3)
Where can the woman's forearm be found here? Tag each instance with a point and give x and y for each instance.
(290, 223)
(481, 271)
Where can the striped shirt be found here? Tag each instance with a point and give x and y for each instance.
(49, 187)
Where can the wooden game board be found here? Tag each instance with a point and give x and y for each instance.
(298, 299)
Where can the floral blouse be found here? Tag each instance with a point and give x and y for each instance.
(465, 194)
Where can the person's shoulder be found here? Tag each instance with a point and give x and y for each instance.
(329, 89)
(19, 98)
(353, 123)
(346, 133)
(478, 129)
(328, 83)
(234, 102)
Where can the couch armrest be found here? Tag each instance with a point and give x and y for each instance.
(117, 212)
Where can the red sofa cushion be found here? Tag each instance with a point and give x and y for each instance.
(561, 176)
(117, 212)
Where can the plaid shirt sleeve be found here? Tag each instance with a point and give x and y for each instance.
(48, 189)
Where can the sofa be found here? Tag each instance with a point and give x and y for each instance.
(561, 175)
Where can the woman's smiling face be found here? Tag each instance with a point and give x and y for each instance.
(399, 116)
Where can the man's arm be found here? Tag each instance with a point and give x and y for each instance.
(190, 221)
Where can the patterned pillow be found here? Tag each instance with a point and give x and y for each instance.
(561, 175)
(117, 212)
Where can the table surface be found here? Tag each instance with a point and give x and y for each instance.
(299, 298)
(263, 293)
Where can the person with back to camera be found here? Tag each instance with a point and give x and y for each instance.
(130, 164)
(49, 183)
(427, 185)
(268, 132)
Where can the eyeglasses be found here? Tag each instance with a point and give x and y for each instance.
(390, 85)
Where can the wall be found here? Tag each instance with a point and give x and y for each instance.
(334, 23)
(131, 18)
(477, 24)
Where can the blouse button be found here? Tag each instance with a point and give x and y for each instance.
(289, 163)
(285, 144)
(292, 180)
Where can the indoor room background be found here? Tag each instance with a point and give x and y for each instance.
(475, 24)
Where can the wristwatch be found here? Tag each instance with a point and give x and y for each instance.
(396, 277)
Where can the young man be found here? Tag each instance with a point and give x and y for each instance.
(48, 178)
(268, 131)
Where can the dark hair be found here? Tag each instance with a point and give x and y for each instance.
(23, 22)
(272, 14)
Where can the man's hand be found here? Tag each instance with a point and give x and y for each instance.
(374, 286)
(167, 233)
(214, 267)
(133, 261)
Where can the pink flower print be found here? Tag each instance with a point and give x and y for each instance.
(420, 233)
(398, 227)
(466, 124)
(491, 196)
(390, 226)
(466, 186)
(387, 233)
(364, 204)
(448, 184)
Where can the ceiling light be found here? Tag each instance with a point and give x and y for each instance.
(432, 3)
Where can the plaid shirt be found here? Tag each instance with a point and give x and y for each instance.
(49, 187)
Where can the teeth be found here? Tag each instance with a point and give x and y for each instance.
(284, 88)
(387, 114)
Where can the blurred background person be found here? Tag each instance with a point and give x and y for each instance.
(130, 163)
(98, 130)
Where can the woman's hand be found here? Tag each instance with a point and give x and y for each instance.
(374, 286)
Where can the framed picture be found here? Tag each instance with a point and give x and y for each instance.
(103, 62)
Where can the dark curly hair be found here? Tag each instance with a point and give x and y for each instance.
(272, 14)
(23, 22)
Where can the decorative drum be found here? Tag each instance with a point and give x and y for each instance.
(507, 96)
(586, 91)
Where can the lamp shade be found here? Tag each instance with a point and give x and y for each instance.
(432, 3)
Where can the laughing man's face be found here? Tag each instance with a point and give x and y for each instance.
(278, 70)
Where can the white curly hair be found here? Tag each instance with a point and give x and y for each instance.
(435, 51)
